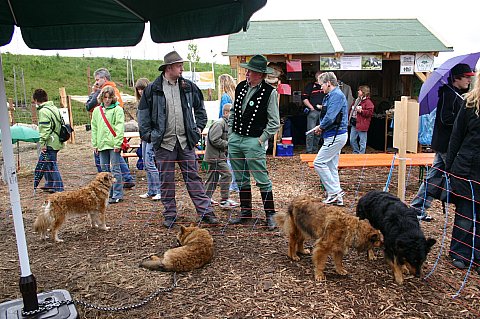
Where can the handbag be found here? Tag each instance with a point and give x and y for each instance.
(125, 146)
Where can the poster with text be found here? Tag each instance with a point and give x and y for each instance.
(407, 64)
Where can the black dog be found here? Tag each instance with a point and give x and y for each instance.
(405, 243)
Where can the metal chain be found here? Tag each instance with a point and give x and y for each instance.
(49, 305)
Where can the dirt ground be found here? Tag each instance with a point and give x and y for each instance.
(250, 275)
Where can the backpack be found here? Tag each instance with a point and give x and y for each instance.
(65, 129)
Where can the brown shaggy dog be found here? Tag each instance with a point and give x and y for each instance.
(91, 199)
(196, 250)
(335, 232)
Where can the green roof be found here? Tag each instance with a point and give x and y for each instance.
(353, 35)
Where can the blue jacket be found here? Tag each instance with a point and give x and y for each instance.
(333, 103)
(152, 112)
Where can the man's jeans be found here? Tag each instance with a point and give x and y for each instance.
(312, 139)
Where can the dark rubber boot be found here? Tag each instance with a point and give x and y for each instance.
(245, 215)
(269, 207)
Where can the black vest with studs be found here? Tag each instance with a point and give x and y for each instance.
(253, 120)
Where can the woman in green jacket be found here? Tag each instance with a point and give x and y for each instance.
(107, 137)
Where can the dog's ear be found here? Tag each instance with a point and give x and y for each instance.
(374, 237)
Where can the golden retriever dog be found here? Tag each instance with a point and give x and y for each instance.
(334, 231)
(91, 199)
(195, 250)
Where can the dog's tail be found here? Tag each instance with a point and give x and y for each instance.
(44, 220)
(153, 263)
(283, 219)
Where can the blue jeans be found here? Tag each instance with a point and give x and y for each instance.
(422, 200)
(326, 162)
(52, 176)
(358, 147)
(111, 160)
(127, 177)
(312, 139)
(233, 184)
(153, 176)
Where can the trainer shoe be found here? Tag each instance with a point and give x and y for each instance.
(425, 218)
(146, 195)
(213, 202)
(332, 199)
(228, 204)
(157, 197)
(115, 200)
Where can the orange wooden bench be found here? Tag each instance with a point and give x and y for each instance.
(134, 154)
(374, 160)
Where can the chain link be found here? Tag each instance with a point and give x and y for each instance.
(49, 305)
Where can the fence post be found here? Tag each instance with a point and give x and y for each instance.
(11, 111)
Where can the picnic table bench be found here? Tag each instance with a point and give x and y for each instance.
(375, 160)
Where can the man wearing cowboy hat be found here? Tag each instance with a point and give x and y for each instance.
(253, 119)
(171, 115)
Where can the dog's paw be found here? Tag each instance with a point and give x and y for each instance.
(342, 271)
(294, 258)
(105, 228)
(320, 277)
(371, 255)
(58, 240)
(305, 251)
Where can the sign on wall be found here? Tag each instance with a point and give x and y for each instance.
(407, 63)
(351, 62)
(424, 62)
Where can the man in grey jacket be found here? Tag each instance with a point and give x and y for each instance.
(171, 115)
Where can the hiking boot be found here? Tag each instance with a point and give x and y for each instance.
(169, 221)
(210, 219)
(129, 185)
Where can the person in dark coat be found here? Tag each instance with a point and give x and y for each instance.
(171, 116)
(463, 164)
(449, 103)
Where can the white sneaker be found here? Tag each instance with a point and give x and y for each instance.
(228, 203)
(157, 197)
(213, 202)
(336, 199)
(144, 195)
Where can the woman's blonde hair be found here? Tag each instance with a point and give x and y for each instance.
(365, 90)
(472, 98)
(110, 90)
(141, 84)
(226, 84)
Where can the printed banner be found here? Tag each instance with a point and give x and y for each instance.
(407, 63)
(204, 80)
(351, 62)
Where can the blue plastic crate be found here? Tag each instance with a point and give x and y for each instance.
(284, 149)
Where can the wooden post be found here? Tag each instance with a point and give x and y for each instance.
(11, 111)
(33, 109)
(70, 118)
(63, 97)
(89, 87)
(401, 117)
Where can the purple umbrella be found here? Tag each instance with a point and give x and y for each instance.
(428, 96)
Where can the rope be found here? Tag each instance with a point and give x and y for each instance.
(389, 178)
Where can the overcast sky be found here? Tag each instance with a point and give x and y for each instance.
(455, 24)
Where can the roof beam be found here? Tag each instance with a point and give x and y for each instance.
(337, 46)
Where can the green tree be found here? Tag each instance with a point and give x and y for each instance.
(192, 55)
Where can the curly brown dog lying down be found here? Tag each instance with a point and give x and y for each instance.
(196, 250)
(91, 200)
(334, 230)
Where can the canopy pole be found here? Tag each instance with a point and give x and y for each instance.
(28, 285)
